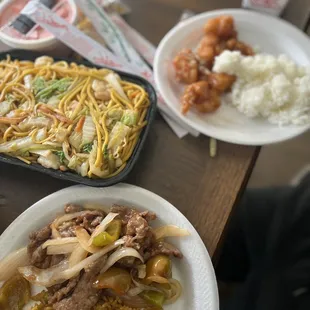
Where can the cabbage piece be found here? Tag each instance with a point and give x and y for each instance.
(88, 131)
(129, 117)
(27, 81)
(51, 161)
(73, 162)
(92, 159)
(75, 139)
(115, 114)
(53, 101)
(114, 80)
(5, 107)
(118, 134)
(37, 122)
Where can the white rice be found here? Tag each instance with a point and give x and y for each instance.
(267, 86)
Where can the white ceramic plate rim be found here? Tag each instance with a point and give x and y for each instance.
(205, 296)
(290, 29)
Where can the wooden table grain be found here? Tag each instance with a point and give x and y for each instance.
(205, 190)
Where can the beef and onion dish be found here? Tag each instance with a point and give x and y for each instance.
(90, 259)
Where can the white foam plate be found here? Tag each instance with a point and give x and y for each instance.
(194, 271)
(272, 35)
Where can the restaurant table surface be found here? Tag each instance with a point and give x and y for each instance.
(204, 189)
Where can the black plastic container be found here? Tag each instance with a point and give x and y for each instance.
(74, 177)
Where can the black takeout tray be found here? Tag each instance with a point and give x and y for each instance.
(69, 175)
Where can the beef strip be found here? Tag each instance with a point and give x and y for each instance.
(136, 230)
(162, 247)
(67, 229)
(126, 213)
(84, 296)
(72, 208)
(89, 220)
(37, 255)
(60, 291)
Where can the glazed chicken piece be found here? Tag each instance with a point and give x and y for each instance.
(186, 66)
(222, 26)
(221, 81)
(201, 96)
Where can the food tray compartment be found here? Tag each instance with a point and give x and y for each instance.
(69, 175)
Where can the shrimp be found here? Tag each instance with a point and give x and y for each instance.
(200, 96)
(186, 66)
(101, 90)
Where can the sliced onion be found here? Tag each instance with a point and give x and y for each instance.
(44, 277)
(112, 79)
(60, 249)
(83, 238)
(60, 273)
(59, 241)
(9, 264)
(158, 279)
(141, 271)
(117, 255)
(176, 291)
(140, 287)
(170, 231)
(102, 226)
(77, 255)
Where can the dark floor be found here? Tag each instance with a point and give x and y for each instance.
(278, 164)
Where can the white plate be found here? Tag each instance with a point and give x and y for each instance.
(271, 34)
(195, 270)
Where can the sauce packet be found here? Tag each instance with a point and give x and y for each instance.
(273, 7)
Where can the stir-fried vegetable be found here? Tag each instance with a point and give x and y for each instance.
(118, 134)
(61, 156)
(10, 263)
(5, 107)
(89, 131)
(44, 90)
(158, 269)
(15, 293)
(62, 272)
(117, 279)
(117, 255)
(129, 118)
(87, 147)
(155, 298)
(114, 80)
(102, 226)
(170, 231)
(111, 234)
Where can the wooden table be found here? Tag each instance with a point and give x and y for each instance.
(205, 190)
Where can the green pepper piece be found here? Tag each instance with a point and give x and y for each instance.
(155, 298)
(15, 293)
(111, 234)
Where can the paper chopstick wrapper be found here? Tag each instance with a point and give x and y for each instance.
(146, 48)
(122, 48)
(80, 42)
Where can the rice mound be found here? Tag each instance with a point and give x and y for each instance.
(272, 87)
